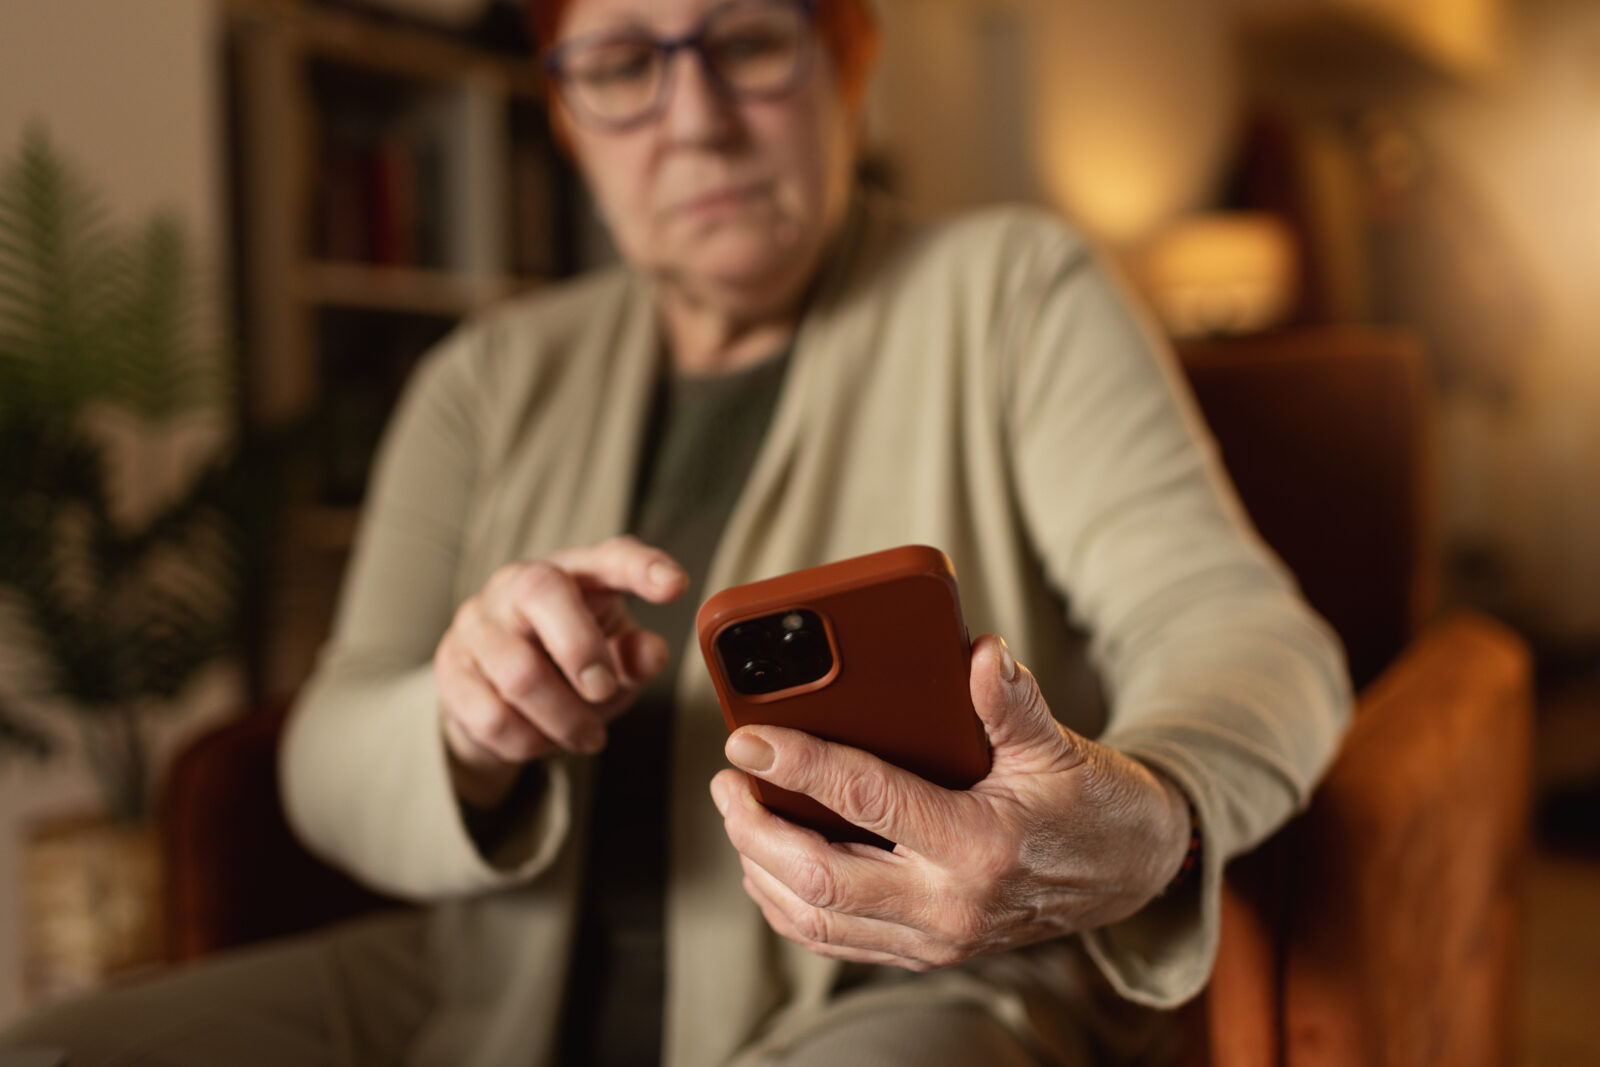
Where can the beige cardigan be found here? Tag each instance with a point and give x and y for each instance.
(977, 385)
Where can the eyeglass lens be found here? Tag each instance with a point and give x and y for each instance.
(750, 49)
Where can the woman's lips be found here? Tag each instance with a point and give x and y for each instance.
(719, 201)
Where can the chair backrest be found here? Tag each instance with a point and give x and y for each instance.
(1327, 436)
(1379, 927)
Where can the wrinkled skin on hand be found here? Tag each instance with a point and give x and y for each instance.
(1063, 835)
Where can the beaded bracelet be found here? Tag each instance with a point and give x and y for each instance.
(1191, 858)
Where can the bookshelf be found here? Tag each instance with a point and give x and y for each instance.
(387, 181)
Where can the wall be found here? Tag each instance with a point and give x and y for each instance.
(1120, 115)
(1525, 468)
(128, 92)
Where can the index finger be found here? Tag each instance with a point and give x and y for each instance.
(627, 565)
(863, 789)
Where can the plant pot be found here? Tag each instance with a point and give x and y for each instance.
(93, 895)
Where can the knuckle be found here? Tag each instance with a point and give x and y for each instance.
(569, 645)
(505, 578)
(535, 581)
(494, 726)
(516, 740)
(742, 833)
(519, 745)
(498, 746)
(994, 858)
(868, 800)
(964, 929)
(817, 886)
(518, 675)
(813, 925)
(479, 721)
(467, 613)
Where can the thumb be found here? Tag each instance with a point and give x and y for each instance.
(1023, 735)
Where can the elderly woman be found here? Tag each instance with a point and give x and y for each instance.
(512, 723)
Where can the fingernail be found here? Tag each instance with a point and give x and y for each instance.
(751, 753)
(1008, 663)
(598, 683)
(665, 574)
(719, 795)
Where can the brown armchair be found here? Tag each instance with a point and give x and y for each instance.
(1380, 926)
(1377, 928)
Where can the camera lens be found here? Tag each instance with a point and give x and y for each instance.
(805, 646)
(745, 641)
(760, 676)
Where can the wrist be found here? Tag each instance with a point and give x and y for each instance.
(492, 824)
(1180, 850)
(479, 785)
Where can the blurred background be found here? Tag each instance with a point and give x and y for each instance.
(341, 182)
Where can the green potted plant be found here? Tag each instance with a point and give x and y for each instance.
(105, 616)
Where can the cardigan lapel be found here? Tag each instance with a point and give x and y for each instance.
(625, 373)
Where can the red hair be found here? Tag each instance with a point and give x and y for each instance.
(848, 28)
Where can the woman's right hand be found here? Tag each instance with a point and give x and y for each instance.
(544, 656)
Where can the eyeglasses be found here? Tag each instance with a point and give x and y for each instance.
(748, 49)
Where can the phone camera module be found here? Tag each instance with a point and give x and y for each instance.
(807, 646)
(760, 676)
(747, 640)
(774, 652)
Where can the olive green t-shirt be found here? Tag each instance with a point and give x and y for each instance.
(702, 440)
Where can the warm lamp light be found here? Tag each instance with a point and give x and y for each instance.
(1222, 273)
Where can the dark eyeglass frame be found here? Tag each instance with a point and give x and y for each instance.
(553, 62)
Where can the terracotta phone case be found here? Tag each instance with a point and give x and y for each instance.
(870, 652)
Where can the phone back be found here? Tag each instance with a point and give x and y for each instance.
(893, 681)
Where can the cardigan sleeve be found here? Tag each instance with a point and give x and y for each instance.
(1216, 671)
(364, 767)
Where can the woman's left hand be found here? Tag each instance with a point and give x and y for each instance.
(1062, 835)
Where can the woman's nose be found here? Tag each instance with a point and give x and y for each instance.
(698, 111)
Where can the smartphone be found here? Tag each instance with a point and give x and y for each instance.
(870, 652)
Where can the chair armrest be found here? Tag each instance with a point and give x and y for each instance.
(234, 871)
(1401, 940)
(1379, 927)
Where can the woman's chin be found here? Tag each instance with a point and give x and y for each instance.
(754, 271)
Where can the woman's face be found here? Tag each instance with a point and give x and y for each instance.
(729, 199)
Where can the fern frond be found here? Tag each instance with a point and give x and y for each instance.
(56, 247)
(161, 361)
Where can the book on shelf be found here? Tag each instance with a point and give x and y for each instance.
(386, 191)
(380, 201)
